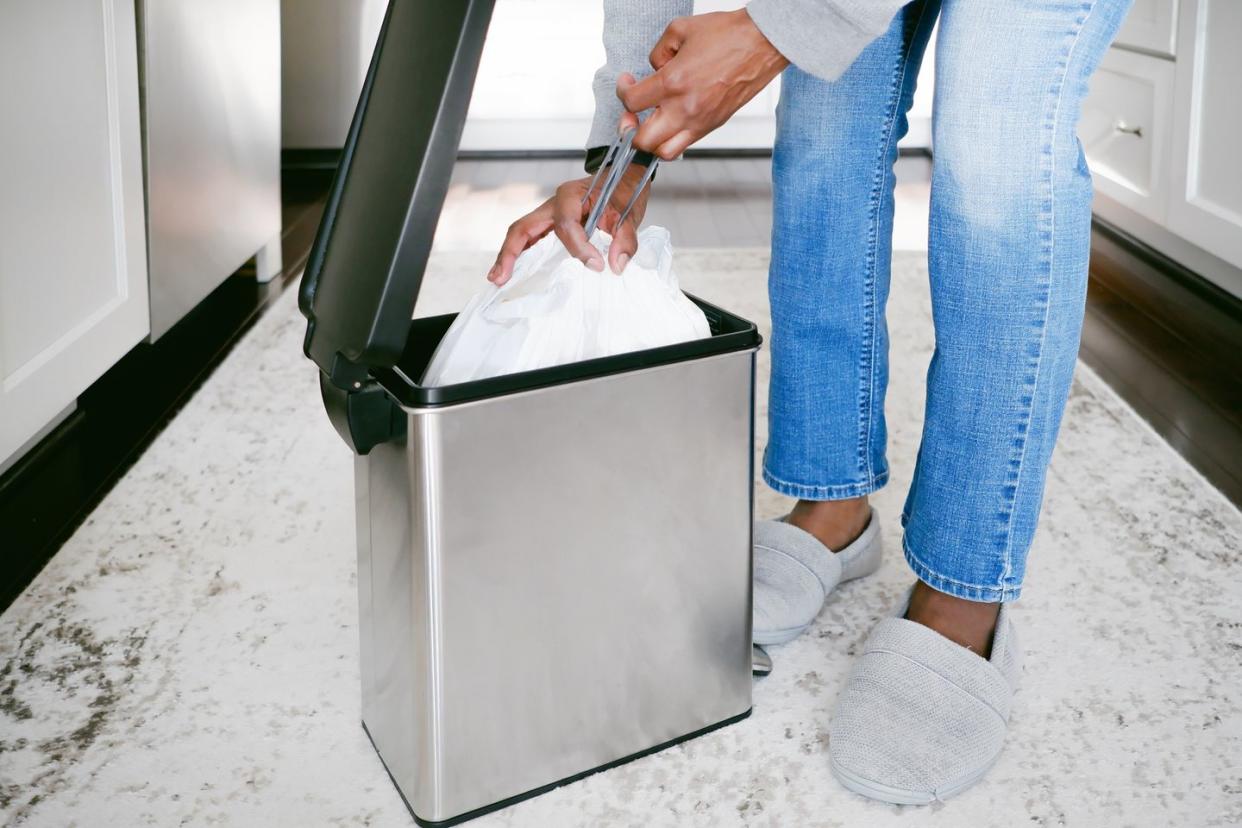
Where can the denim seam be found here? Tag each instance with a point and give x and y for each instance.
(952, 586)
(842, 491)
(1007, 554)
(877, 198)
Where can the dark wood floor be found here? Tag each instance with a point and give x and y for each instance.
(1171, 345)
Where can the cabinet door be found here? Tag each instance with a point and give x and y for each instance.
(73, 283)
(1205, 204)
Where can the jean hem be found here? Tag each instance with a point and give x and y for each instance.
(951, 586)
(843, 491)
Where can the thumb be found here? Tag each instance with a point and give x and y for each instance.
(625, 82)
(624, 243)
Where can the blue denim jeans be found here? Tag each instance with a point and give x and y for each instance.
(1008, 247)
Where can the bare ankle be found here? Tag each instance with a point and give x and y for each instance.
(835, 523)
(966, 623)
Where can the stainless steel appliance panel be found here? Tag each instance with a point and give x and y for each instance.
(557, 579)
(211, 121)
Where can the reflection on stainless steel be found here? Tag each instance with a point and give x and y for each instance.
(211, 124)
(760, 661)
(553, 580)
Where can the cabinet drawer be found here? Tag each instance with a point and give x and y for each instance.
(1151, 25)
(1124, 126)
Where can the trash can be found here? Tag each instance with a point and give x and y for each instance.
(554, 567)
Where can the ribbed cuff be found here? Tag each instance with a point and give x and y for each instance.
(608, 112)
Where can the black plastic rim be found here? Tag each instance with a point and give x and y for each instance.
(730, 333)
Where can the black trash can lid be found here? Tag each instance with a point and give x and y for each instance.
(367, 262)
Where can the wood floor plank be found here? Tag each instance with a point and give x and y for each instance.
(1169, 353)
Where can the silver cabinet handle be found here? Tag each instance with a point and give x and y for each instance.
(1123, 127)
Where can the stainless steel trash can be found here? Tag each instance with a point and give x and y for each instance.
(553, 566)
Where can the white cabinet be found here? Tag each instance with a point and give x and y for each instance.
(73, 281)
(1150, 26)
(1205, 206)
(1160, 128)
(1124, 130)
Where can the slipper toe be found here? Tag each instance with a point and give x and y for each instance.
(920, 718)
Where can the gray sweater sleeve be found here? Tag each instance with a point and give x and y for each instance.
(820, 37)
(631, 29)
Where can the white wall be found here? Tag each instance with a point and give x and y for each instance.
(534, 85)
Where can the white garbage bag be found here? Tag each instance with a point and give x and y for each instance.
(556, 310)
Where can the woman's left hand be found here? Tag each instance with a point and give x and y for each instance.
(707, 67)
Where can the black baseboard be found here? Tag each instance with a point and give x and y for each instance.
(1173, 281)
(327, 158)
(310, 159)
(693, 152)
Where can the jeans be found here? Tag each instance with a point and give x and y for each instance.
(1008, 247)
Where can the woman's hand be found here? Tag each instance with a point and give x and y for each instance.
(707, 67)
(564, 213)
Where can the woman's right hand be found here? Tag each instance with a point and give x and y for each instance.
(564, 214)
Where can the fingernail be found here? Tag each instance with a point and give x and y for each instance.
(491, 274)
(622, 261)
(596, 264)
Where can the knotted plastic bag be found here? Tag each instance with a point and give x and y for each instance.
(556, 310)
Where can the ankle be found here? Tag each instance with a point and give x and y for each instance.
(969, 624)
(834, 523)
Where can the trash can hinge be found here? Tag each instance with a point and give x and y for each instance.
(365, 416)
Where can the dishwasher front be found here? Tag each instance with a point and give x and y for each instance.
(210, 91)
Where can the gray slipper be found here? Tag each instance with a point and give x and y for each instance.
(922, 718)
(794, 573)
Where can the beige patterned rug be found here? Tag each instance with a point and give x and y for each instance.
(190, 655)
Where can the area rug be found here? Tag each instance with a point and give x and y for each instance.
(190, 656)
